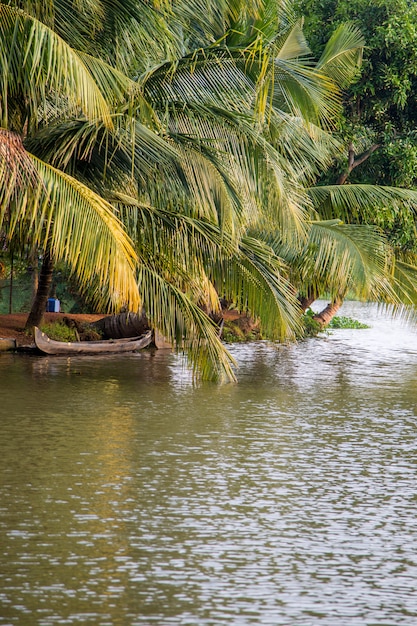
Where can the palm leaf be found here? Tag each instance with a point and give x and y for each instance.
(350, 257)
(349, 202)
(342, 55)
(405, 286)
(35, 63)
(128, 149)
(254, 279)
(185, 325)
(79, 227)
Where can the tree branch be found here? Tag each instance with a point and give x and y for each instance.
(354, 162)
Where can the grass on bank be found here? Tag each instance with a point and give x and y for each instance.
(59, 331)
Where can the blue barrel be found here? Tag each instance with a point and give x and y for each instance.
(52, 306)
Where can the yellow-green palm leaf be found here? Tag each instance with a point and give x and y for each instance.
(36, 65)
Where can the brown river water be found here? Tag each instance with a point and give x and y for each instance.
(130, 496)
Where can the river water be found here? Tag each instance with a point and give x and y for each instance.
(128, 496)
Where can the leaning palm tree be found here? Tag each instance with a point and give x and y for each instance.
(240, 127)
(210, 145)
(347, 214)
(44, 206)
(206, 189)
(44, 203)
(344, 252)
(275, 133)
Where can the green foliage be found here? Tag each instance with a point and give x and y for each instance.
(380, 106)
(310, 326)
(346, 322)
(239, 331)
(233, 334)
(202, 132)
(21, 295)
(384, 92)
(59, 331)
(64, 288)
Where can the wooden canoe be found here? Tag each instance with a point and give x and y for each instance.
(115, 346)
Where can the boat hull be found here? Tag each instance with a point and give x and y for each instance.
(110, 346)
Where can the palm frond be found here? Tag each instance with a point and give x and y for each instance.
(405, 284)
(348, 202)
(185, 325)
(342, 55)
(94, 151)
(294, 45)
(350, 257)
(35, 63)
(17, 172)
(115, 86)
(80, 228)
(123, 33)
(255, 280)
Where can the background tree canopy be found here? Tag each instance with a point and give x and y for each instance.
(380, 107)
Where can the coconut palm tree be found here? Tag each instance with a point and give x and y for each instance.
(347, 214)
(279, 108)
(207, 145)
(40, 204)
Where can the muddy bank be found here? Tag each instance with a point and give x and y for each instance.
(13, 325)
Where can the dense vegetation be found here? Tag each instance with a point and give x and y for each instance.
(170, 155)
(378, 125)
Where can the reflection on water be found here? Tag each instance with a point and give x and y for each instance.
(130, 497)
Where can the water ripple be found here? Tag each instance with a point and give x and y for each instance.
(287, 500)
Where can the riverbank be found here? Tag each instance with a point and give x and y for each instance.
(237, 327)
(13, 326)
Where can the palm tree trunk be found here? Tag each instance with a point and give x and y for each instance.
(307, 300)
(34, 273)
(11, 283)
(326, 315)
(39, 303)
